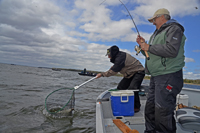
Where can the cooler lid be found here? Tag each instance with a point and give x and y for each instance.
(182, 96)
(122, 93)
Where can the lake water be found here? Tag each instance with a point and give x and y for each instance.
(22, 99)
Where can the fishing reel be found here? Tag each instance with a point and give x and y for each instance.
(137, 49)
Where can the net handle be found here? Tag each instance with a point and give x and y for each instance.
(76, 87)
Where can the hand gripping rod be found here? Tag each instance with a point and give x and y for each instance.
(147, 55)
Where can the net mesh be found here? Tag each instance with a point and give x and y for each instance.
(60, 101)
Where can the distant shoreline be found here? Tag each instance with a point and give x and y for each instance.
(186, 81)
(192, 84)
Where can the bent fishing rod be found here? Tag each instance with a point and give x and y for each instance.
(137, 48)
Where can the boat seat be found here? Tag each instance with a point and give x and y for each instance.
(189, 118)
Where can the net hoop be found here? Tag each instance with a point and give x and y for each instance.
(64, 105)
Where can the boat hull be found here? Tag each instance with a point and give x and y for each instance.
(85, 74)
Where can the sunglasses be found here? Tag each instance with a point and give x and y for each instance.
(154, 19)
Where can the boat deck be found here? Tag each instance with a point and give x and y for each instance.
(133, 122)
(104, 116)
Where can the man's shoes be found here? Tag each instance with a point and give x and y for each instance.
(136, 110)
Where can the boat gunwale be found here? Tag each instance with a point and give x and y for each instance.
(190, 89)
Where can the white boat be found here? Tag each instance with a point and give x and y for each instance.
(187, 119)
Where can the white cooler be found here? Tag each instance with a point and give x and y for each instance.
(182, 98)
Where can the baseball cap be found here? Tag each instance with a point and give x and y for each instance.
(108, 52)
(161, 11)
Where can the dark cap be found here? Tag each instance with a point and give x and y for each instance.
(108, 52)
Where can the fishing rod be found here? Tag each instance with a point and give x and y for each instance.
(137, 48)
(131, 17)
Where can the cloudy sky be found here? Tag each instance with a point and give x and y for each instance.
(76, 33)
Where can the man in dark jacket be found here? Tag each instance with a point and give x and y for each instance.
(166, 52)
(130, 68)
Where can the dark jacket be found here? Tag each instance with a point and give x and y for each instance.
(166, 49)
(124, 63)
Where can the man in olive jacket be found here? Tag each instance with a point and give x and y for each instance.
(166, 52)
(130, 68)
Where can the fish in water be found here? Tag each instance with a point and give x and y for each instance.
(64, 111)
(55, 113)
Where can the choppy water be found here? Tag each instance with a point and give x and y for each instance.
(23, 92)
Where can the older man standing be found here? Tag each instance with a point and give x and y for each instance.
(166, 52)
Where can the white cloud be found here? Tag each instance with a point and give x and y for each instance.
(47, 33)
(177, 8)
(191, 75)
(196, 50)
(189, 60)
(55, 29)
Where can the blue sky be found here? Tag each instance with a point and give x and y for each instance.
(76, 33)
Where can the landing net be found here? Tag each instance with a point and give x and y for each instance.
(60, 100)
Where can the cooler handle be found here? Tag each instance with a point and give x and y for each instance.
(124, 101)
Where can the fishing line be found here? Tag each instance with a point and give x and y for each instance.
(128, 13)
(131, 17)
(102, 2)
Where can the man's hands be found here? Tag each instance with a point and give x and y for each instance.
(98, 75)
(141, 41)
(145, 47)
